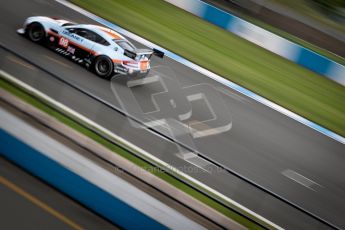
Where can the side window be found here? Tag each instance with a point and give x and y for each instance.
(125, 45)
(81, 32)
(92, 36)
(101, 40)
(86, 34)
(71, 30)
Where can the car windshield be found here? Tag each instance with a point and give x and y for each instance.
(68, 24)
(125, 45)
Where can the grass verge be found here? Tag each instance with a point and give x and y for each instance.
(279, 80)
(117, 149)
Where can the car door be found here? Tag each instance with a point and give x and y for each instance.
(77, 41)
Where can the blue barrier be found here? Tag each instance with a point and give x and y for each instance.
(272, 42)
(73, 185)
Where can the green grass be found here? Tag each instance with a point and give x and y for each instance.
(124, 153)
(281, 81)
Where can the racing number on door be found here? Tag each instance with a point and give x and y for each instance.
(63, 42)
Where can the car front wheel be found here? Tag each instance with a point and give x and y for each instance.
(36, 32)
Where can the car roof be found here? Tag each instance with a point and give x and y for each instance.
(103, 31)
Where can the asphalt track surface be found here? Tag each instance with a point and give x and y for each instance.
(28, 203)
(263, 145)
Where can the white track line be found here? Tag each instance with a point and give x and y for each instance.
(300, 179)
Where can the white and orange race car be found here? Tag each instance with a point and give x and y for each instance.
(101, 49)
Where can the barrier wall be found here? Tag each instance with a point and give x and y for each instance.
(265, 39)
(73, 185)
(84, 180)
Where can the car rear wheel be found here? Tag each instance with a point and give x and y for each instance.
(104, 67)
(36, 32)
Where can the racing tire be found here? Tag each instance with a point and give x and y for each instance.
(36, 33)
(103, 67)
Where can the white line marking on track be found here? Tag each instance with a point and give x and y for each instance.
(232, 95)
(195, 160)
(300, 179)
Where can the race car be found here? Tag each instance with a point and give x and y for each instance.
(100, 49)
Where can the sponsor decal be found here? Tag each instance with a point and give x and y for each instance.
(70, 49)
(72, 35)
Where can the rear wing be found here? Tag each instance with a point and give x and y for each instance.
(147, 52)
(158, 53)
